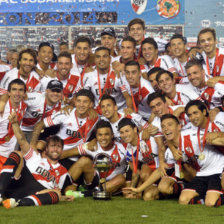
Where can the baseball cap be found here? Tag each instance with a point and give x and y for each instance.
(55, 84)
(43, 44)
(108, 31)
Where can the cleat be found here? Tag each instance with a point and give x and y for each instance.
(10, 203)
(75, 194)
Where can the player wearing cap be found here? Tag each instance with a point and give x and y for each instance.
(16, 93)
(108, 40)
(41, 105)
(25, 72)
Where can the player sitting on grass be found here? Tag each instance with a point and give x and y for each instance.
(29, 178)
(106, 145)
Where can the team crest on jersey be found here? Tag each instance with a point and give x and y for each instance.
(144, 148)
(188, 149)
(206, 96)
(115, 157)
(139, 6)
(70, 87)
(112, 82)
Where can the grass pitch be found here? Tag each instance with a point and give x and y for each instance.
(116, 211)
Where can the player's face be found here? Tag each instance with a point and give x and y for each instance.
(108, 41)
(63, 48)
(128, 133)
(82, 51)
(170, 129)
(83, 104)
(102, 60)
(166, 83)
(53, 96)
(177, 47)
(26, 64)
(196, 75)
(54, 150)
(158, 107)
(207, 42)
(127, 50)
(104, 136)
(196, 117)
(153, 82)
(64, 65)
(45, 54)
(149, 52)
(14, 59)
(17, 93)
(132, 75)
(137, 32)
(108, 108)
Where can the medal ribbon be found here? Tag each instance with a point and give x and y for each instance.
(135, 162)
(86, 128)
(178, 100)
(57, 177)
(133, 99)
(216, 67)
(83, 71)
(204, 137)
(27, 81)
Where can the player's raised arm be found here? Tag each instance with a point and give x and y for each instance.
(36, 132)
(24, 145)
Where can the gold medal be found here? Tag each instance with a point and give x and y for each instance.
(7, 138)
(181, 174)
(201, 156)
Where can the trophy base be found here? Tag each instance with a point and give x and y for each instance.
(101, 195)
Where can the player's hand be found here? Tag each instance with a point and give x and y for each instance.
(127, 190)
(213, 113)
(163, 166)
(212, 81)
(178, 111)
(67, 198)
(210, 136)
(39, 72)
(127, 111)
(92, 114)
(89, 69)
(67, 109)
(141, 61)
(13, 117)
(169, 101)
(2, 108)
(177, 155)
(149, 131)
(51, 73)
(92, 145)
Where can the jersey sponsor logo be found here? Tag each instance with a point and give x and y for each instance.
(45, 174)
(74, 134)
(107, 91)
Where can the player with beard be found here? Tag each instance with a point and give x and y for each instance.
(25, 71)
(29, 178)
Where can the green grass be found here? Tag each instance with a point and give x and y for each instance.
(116, 211)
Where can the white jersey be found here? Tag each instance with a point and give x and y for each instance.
(116, 154)
(210, 95)
(7, 137)
(180, 67)
(37, 109)
(214, 66)
(70, 84)
(213, 161)
(184, 94)
(136, 118)
(139, 96)
(165, 62)
(32, 83)
(109, 84)
(3, 70)
(73, 130)
(49, 175)
(148, 152)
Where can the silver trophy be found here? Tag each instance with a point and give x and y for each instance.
(102, 164)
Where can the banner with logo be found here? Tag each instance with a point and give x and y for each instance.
(96, 12)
